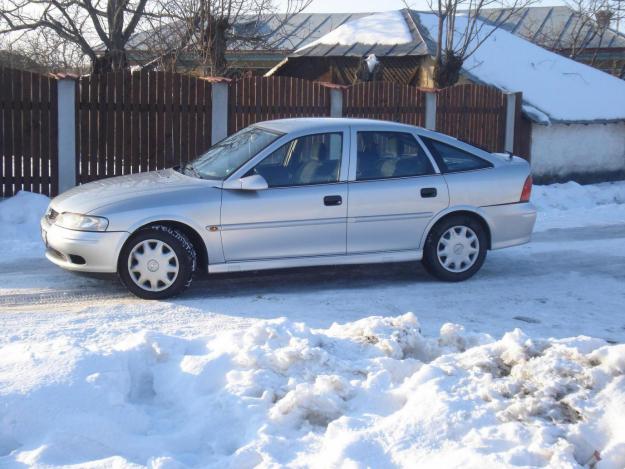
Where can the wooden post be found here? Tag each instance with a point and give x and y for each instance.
(66, 111)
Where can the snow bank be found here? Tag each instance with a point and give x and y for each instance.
(374, 392)
(379, 28)
(554, 87)
(19, 224)
(571, 204)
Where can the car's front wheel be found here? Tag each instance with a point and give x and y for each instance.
(157, 262)
(455, 248)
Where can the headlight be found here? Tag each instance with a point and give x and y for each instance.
(75, 221)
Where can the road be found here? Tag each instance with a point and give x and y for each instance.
(567, 282)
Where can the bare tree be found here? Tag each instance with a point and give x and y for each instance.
(203, 31)
(461, 30)
(589, 23)
(85, 24)
(50, 52)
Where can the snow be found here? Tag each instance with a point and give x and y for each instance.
(571, 204)
(224, 381)
(554, 87)
(19, 225)
(375, 392)
(386, 28)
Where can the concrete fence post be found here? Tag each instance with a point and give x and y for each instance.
(511, 113)
(219, 112)
(66, 110)
(430, 110)
(336, 102)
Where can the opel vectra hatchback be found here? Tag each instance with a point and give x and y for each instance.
(297, 192)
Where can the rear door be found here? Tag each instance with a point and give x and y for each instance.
(394, 191)
(304, 210)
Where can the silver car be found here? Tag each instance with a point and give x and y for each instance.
(293, 193)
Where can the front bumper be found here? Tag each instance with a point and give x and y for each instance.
(510, 224)
(84, 251)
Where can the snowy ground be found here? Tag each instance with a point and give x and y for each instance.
(93, 377)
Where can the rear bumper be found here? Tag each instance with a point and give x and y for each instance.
(82, 251)
(510, 224)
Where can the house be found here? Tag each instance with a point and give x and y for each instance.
(558, 28)
(576, 112)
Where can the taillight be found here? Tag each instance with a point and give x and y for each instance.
(527, 189)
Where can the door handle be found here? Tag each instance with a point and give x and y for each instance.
(428, 192)
(332, 200)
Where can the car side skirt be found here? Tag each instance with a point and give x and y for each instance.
(342, 259)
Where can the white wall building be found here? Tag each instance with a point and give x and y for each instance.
(577, 112)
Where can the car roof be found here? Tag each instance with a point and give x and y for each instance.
(315, 123)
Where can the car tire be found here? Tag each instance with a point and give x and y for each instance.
(455, 248)
(157, 262)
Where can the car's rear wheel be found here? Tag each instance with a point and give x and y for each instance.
(455, 248)
(157, 262)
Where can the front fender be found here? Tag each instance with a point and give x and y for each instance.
(197, 209)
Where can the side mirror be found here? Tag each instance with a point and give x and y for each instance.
(255, 182)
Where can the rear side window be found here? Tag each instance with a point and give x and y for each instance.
(451, 159)
(384, 155)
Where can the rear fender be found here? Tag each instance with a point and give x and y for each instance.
(451, 210)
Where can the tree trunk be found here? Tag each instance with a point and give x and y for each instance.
(447, 70)
(110, 61)
(214, 47)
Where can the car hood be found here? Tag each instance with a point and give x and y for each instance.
(89, 197)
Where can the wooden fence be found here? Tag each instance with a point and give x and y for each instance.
(28, 133)
(125, 123)
(473, 113)
(386, 101)
(144, 121)
(257, 99)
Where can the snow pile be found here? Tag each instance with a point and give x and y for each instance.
(19, 224)
(592, 204)
(387, 28)
(374, 392)
(554, 87)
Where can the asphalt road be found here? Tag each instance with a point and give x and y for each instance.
(565, 282)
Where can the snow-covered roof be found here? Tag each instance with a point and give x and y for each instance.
(555, 88)
(391, 33)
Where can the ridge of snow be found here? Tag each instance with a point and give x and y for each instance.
(561, 88)
(374, 392)
(386, 28)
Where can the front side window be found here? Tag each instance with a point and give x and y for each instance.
(312, 159)
(383, 155)
(224, 158)
(452, 159)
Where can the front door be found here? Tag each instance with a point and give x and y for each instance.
(302, 213)
(393, 192)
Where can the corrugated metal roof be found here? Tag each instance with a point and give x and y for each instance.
(416, 47)
(557, 27)
(551, 27)
(280, 33)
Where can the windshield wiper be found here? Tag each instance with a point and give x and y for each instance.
(188, 168)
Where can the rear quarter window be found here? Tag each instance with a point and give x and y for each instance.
(451, 159)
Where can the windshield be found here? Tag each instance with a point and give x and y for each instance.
(230, 154)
